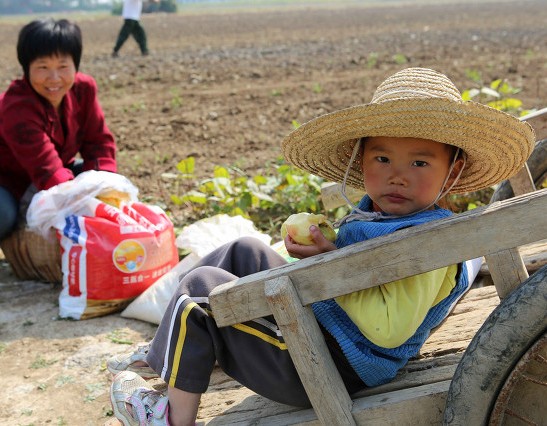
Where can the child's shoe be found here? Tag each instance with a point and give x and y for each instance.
(136, 403)
(124, 362)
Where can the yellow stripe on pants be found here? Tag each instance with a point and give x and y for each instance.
(260, 335)
(180, 342)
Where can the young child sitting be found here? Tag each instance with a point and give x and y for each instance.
(414, 143)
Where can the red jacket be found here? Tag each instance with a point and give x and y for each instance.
(36, 144)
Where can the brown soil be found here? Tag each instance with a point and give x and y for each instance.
(224, 87)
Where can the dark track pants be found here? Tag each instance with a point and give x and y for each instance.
(188, 341)
(134, 28)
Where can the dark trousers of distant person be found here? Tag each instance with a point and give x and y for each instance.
(134, 28)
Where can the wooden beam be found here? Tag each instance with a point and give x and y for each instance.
(507, 270)
(522, 182)
(422, 405)
(538, 121)
(310, 354)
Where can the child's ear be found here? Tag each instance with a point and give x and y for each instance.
(456, 170)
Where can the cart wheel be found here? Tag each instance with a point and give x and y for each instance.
(522, 397)
(502, 376)
(537, 163)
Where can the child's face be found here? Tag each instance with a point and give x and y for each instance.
(405, 175)
(52, 77)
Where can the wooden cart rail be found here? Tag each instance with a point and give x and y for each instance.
(286, 292)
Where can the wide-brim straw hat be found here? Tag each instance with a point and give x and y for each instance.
(418, 103)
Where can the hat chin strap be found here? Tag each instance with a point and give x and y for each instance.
(358, 214)
(445, 191)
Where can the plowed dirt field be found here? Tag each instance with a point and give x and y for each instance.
(224, 86)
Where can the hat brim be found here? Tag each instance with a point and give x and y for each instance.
(496, 144)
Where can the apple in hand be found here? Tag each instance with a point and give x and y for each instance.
(298, 227)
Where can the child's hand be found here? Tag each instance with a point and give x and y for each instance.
(320, 245)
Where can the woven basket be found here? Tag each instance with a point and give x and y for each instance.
(32, 257)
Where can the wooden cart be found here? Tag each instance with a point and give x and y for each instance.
(501, 378)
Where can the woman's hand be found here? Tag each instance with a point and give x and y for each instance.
(299, 251)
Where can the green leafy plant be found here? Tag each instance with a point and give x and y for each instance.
(267, 199)
(176, 99)
(474, 75)
(93, 391)
(400, 59)
(118, 336)
(469, 201)
(136, 107)
(41, 362)
(498, 94)
(372, 59)
(63, 380)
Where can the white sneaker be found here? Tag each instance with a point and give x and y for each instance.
(136, 403)
(124, 362)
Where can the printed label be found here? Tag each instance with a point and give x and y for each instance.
(129, 256)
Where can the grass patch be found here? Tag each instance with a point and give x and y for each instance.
(41, 362)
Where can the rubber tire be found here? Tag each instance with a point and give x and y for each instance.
(537, 163)
(510, 330)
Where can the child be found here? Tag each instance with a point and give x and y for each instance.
(415, 142)
(48, 118)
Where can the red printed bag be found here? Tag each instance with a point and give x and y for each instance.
(110, 258)
(111, 252)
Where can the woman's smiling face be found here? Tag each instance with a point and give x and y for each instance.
(52, 77)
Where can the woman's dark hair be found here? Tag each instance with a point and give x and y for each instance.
(48, 37)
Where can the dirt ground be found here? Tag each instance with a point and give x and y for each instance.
(224, 87)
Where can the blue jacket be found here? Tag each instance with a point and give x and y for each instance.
(376, 365)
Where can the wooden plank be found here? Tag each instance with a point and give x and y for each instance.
(423, 405)
(407, 380)
(310, 354)
(457, 330)
(534, 256)
(507, 270)
(234, 404)
(538, 121)
(507, 267)
(522, 182)
(431, 396)
(404, 253)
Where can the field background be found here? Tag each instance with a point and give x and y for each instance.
(224, 85)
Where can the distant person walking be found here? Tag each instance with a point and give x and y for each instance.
(131, 13)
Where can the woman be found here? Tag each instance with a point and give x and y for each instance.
(47, 118)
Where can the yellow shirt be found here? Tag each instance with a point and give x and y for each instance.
(390, 314)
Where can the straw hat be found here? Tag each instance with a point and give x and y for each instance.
(419, 103)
